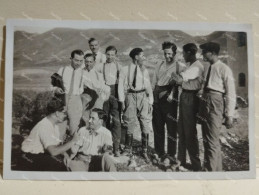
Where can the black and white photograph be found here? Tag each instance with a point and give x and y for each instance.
(128, 101)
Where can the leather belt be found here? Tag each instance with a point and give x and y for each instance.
(136, 91)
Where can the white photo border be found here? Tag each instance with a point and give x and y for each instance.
(27, 175)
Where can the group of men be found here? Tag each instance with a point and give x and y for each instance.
(98, 90)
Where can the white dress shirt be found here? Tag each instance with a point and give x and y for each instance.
(142, 81)
(91, 142)
(43, 135)
(67, 72)
(109, 72)
(221, 79)
(193, 76)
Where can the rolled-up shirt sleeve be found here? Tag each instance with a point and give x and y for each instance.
(230, 92)
(190, 74)
(48, 139)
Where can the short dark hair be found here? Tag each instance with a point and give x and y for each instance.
(111, 48)
(101, 114)
(169, 45)
(91, 40)
(89, 55)
(190, 48)
(134, 52)
(78, 52)
(210, 47)
(54, 105)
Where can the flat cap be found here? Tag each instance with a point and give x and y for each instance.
(210, 47)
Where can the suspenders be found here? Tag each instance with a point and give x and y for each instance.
(117, 67)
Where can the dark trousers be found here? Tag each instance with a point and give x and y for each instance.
(165, 113)
(111, 107)
(41, 162)
(187, 130)
(212, 107)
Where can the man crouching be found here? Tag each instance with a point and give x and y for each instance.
(92, 151)
(43, 149)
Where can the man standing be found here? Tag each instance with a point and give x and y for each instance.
(136, 97)
(110, 71)
(72, 79)
(42, 148)
(165, 112)
(92, 151)
(191, 82)
(218, 89)
(94, 49)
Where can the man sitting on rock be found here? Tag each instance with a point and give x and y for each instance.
(93, 151)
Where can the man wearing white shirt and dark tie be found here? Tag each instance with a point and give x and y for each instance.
(72, 77)
(136, 96)
(218, 99)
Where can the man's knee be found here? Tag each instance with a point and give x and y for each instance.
(108, 163)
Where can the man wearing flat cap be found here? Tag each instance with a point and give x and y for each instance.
(191, 81)
(136, 96)
(218, 99)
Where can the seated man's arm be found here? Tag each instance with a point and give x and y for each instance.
(51, 143)
(56, 150)
(107, 147)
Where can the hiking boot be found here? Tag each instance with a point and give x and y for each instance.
(128, 145)
(145, 138)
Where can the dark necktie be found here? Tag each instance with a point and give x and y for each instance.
(134, 83)
(207, 78)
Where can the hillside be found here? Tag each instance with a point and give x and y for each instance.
(48, 51)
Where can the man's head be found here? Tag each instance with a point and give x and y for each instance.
(110, 52)
(94, 45)
(189, 51)
(97, 118)
(169, 49)
(89, 61)
(56, 108)
(137, 56)
(210, 51)
(77, 58)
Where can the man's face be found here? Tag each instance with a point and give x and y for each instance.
(186, 56)
(94, 121)
(61, 115)
(169, 55)
(110, 56)
(140, 58)
(77, 61)
(207, 56)
(94, 46)
(89, 63)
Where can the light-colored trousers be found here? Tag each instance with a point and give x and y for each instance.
(74, 111)
(136, 107)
